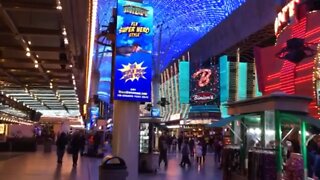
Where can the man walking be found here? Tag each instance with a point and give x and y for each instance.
(185, 154)
(75, 147)
(61, 143)
(163, 148)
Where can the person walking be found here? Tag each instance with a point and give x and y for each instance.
(163, 149)
(75, 147)
(218, 148)
(198, 151)
(61, 143)
(180, 141)
(82, 143)
(191, 146)
(185, 151)
(204, 150)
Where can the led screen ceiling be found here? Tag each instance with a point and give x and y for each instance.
(181, 22)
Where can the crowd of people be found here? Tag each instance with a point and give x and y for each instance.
(189, 146)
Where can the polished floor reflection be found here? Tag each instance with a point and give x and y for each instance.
(39, 166)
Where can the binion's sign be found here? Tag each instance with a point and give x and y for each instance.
(286, 15)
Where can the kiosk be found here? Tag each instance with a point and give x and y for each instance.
(148, 154)
(261, 128)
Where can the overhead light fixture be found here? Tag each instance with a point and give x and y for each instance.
(27, 49)
(64, 31)
(70, 65)
(37, 56)
(59, 7)
(35, 61)
(36, 65)
(29, 42)
(48, 71)
(72, 76)
(66, 41)
(28, 54)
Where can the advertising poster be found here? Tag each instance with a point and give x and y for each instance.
(204, 85)
(133, 64)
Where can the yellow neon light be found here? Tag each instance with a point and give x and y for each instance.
(93, 16)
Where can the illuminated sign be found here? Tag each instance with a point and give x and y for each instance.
(205, 86)
(204, 97)
(133, 64)
(155, 112)
(284, 17)
(2, 128)
(94, 115)
(204, 77)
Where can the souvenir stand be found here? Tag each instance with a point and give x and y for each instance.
(260, 127)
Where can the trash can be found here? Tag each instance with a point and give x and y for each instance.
(113, 171)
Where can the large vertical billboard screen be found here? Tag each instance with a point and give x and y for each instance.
(133, 63)
(204, 86)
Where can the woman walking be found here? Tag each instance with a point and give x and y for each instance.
(185, 154)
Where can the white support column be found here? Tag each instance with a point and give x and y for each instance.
(125, 142)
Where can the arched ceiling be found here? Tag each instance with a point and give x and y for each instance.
(181, 22)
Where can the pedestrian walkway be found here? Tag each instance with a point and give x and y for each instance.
(40, 166)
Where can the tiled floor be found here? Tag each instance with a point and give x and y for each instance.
(43, 166)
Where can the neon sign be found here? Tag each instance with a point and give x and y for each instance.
(284, 17)
(204, 85)
(204, 77)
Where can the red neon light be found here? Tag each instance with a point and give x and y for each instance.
(204, 77)
(315, 40)
(273, 76)
(299, 30)
(312, 32)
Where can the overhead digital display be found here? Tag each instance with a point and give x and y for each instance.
(134, 41)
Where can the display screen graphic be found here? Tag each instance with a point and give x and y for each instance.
(133, 64)
(204, 86)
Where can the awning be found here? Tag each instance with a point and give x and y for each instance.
(224, 121)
